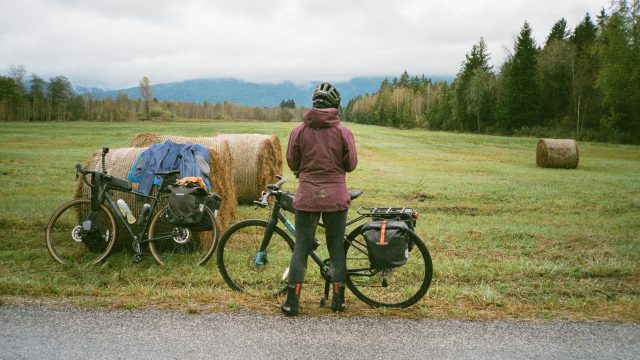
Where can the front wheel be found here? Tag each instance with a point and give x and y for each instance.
(398, 287)
(245, 268)
(69, 242)
(172, 245)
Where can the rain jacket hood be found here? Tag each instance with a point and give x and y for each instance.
(321, 118)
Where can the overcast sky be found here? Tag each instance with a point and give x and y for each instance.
(113, 43)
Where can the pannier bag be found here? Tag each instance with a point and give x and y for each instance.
(387, 243)
(187, 205)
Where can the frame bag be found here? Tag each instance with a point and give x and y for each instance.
(387, 243)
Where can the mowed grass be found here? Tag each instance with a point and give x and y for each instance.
(508, 239)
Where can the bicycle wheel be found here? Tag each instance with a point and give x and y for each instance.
(69, 244)
(237, 256)
(174, 245)
(398, 287)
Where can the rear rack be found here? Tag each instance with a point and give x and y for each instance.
(388, 212)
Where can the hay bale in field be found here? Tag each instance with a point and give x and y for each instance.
(557, 153)
(221, 176)
(261, 156)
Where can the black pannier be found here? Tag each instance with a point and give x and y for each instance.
(387, 243)
(187, 204)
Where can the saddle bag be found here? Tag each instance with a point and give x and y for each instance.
(387, 243)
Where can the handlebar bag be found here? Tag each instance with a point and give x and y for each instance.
(187, 204)
(286, 201)
(387, 243)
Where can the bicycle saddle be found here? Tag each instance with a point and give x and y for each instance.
(355, 193)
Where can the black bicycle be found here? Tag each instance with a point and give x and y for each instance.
(253, 256)
(83, 231)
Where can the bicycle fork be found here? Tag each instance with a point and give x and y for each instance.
(261, 255)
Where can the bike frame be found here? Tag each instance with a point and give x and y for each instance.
(278, 215)
(101, 192)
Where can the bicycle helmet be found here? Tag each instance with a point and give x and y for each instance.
(325, 95)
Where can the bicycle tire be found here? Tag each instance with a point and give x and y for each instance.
(236, 258)
(173, 245)
(64, 241)
(406, 284)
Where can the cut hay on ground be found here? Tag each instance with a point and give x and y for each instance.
(221, 164)
(261, 156)
(557, 153)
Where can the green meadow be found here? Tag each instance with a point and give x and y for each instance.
(508, 239)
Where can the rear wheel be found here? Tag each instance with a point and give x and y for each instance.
(69, 242)
(172, 245)
(398, 287)
(244, 268)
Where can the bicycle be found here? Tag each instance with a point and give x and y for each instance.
(253, 256)
(84, 230)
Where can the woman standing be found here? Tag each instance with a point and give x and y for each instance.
(320, 152)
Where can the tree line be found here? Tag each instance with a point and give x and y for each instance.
(582, 83)
(35, 99)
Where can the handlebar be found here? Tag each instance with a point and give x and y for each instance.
(84, 172)
(271, 188)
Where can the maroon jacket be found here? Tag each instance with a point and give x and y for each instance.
(321, 150)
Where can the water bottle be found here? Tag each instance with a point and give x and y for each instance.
(126, 212)
(143, 213)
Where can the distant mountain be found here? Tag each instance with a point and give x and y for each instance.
(243, 92)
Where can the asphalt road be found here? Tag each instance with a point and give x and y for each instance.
(30, 332)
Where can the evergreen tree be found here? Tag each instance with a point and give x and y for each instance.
(384, 105)
(520, 91)
(478, 58)
(555, 69)
(619, 77)
(404, 79)
(559, 32)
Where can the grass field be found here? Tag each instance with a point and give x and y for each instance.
(508, 239)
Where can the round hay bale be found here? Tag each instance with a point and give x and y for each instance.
(118, 163)
(221, 164)
(557, 153)
(261, 156)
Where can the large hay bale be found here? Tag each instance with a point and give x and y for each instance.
(557, 153)
(262, 159)
(221, 176)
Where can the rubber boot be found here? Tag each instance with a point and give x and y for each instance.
(290, 306)
(337, 302)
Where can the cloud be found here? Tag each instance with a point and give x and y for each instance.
(114, 43)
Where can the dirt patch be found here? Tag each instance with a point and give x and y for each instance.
(458, 210)
(420, 197)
